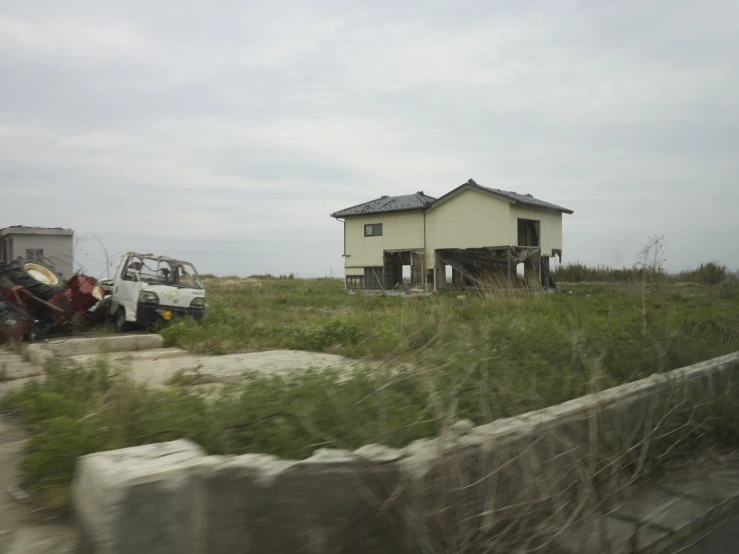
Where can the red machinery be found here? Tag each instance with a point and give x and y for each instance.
(34, 299)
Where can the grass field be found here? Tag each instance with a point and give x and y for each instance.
(545, 334)
(466, 355)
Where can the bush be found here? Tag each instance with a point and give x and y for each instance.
(711, 273)
(322, 337)
(580, 273)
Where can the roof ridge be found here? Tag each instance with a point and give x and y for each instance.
(512, 196)
(388, 204)
(421, 201)
(362, 204)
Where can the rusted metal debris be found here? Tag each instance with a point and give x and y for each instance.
(36, 301)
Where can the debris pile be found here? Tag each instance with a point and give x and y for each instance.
(36, 301)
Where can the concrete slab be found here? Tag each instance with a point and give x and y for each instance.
(15, 366)
(720, 539)
(149, 500)
(46, 539)
(24, 528)
(14, 385)
(39, 352)
(607, 534)
(662, 509)
(6, 539)
(157, 367)
(131, 357)
(10, 370)
(140, 499)
(12, 442)
(150, 363)
(273, 362)
(712, 488)
(8, 356)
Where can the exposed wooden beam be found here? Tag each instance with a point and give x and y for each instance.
(463, 271)
(510, 282)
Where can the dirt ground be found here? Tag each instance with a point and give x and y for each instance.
(25, 528)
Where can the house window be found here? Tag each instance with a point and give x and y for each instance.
(35, 254)
(528, 232)
(373, 230)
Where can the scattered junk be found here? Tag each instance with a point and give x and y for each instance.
(147, 289)
(36, 301)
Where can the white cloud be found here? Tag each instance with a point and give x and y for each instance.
(75, 39)
(232, 125)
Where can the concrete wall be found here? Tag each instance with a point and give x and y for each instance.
(41, 352)
(503, 479)
(469, 219)
(400, 231)
(57, 248)
(550, 224)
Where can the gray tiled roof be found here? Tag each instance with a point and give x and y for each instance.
(421, 201)
(387, 204)
(521, 198)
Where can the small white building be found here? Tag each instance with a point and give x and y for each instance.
(482, 234)
(53, 245)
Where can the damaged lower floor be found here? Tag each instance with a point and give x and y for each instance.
(457, 268)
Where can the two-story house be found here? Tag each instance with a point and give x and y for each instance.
(482, 234)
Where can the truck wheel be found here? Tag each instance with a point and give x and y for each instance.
(121, 324)
(36, 278)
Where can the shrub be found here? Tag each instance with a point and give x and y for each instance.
(322, 337)
(711, 273)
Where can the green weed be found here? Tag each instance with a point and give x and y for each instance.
(427, 361)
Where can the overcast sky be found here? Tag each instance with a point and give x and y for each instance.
(226, 132)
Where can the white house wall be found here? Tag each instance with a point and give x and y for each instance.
(550, 225)
(59, 249)
(400, 231)
(470, 219)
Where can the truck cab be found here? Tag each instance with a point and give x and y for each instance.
(147, 289)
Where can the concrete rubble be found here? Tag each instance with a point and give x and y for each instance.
(172, 497)
(150, 362)
(662, 514)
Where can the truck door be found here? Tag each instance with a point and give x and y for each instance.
(127, 287)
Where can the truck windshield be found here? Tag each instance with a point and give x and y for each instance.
(189, 277)
(162, 271)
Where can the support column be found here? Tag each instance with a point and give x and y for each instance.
(510, 283)
(457, 278)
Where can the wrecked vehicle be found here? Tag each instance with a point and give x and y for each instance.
(34, 299)
(15, 324)
(147, 289)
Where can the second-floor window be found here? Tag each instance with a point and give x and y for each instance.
(373, 230)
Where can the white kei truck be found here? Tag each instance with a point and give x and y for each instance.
(147, 289)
